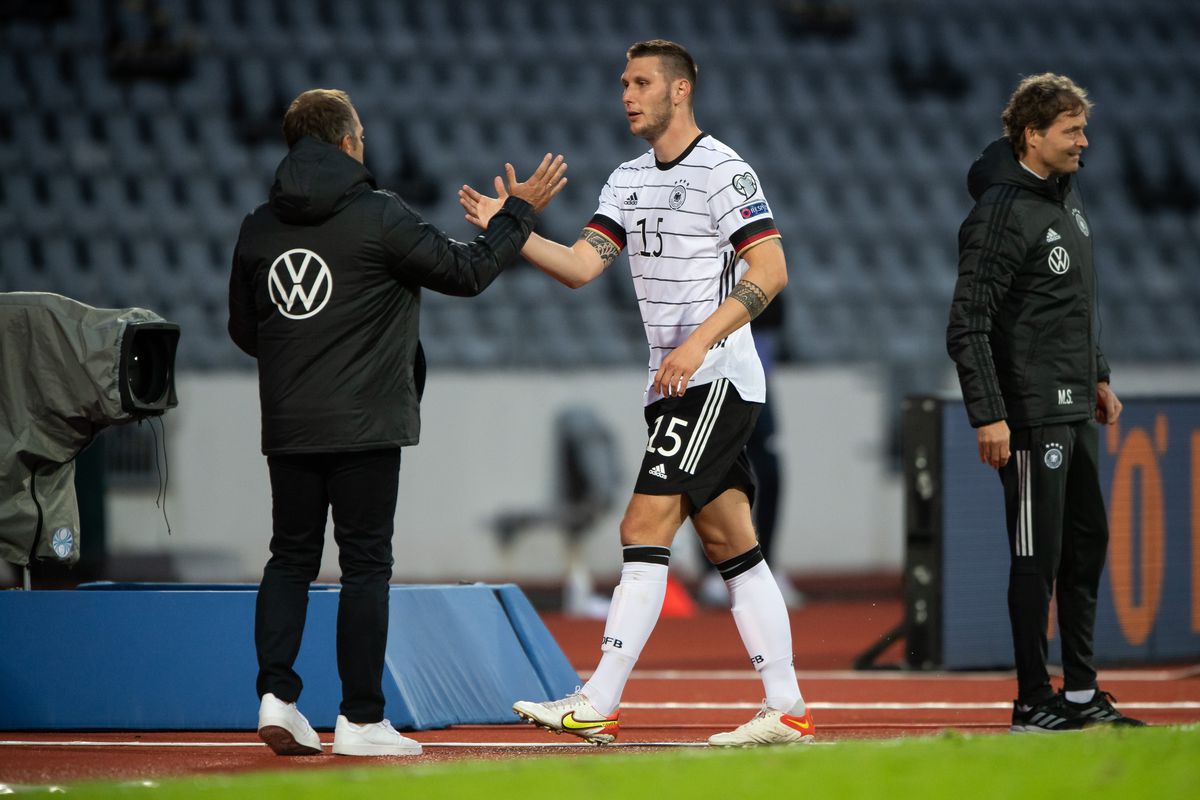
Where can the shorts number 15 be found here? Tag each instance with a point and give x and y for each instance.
(669, 433)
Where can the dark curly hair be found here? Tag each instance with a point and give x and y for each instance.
(1036, 103)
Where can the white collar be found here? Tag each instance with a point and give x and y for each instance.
(1030, 171)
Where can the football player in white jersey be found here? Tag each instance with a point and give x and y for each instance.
(706, 260)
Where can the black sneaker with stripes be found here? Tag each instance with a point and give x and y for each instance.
(1049, 716)
(1101, 711)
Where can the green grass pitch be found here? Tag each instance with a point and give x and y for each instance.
(1148, 763)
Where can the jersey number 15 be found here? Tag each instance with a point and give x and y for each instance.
(658, 251)
(669, 433)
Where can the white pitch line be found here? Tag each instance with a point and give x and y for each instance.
(829, 675)
(591, 746)
(85, 743)
(1172, 705)
(586, 745)
(897, 675)
(498, 745)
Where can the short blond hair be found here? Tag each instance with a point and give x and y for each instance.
(324, 114)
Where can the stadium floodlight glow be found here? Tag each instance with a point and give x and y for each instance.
(67, 371)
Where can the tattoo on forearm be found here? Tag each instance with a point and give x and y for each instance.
(607, 250)
(749, 295)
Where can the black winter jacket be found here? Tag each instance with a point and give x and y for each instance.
(325, 293)
(1022, 326)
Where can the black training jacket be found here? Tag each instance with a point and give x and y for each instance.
(325, 293)
(1022, 326)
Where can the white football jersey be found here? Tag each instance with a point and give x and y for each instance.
(685, 225)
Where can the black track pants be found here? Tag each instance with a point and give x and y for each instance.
(1058, 537)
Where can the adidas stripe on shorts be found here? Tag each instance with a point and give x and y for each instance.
(696, 444)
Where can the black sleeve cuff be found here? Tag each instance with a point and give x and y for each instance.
(522, 211)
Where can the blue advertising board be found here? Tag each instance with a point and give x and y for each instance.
(1149, 605)
(181, 657)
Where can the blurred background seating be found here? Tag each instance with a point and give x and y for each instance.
(135, 135)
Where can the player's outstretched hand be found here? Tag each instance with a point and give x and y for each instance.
(541, 187)
(479, 207)
(545, 182)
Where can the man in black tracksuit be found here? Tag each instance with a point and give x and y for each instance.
(1022, 333)
(325, 294)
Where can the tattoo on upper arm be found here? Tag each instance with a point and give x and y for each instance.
(749, 295)
(606, 249)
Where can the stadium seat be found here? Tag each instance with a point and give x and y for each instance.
(29, 213)
(861, 176)
(14, 97)
(203, 95)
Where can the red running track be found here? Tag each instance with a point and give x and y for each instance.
(692, 681)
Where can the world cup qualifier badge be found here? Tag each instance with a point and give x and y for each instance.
(1053, 457)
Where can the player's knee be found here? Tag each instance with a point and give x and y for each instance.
(649, 523)
(723, 543)
(635, 530)
(715, 552)
(640, 532)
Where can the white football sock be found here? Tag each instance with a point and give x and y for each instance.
(762, 620)
(1081, 696)
(636, 603)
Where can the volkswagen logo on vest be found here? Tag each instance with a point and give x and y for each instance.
(1059, 260)
(300, 283)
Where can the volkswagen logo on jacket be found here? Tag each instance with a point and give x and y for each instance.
(1059, 260)
(297, 293)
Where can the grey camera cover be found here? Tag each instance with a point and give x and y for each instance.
(59, 373)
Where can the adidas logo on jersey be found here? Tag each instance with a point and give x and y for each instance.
(631, 201)
(660, 471)
(1052, 236)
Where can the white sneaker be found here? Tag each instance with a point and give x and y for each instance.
(372, 739)
(768, 726)
(284, 728)
(574, 715)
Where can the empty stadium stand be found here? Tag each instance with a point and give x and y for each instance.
(135, 136)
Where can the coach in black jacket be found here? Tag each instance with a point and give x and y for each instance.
(1022, 334)
(325, 294)
(1022, 329)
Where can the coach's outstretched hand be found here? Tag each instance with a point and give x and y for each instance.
(545, 182)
